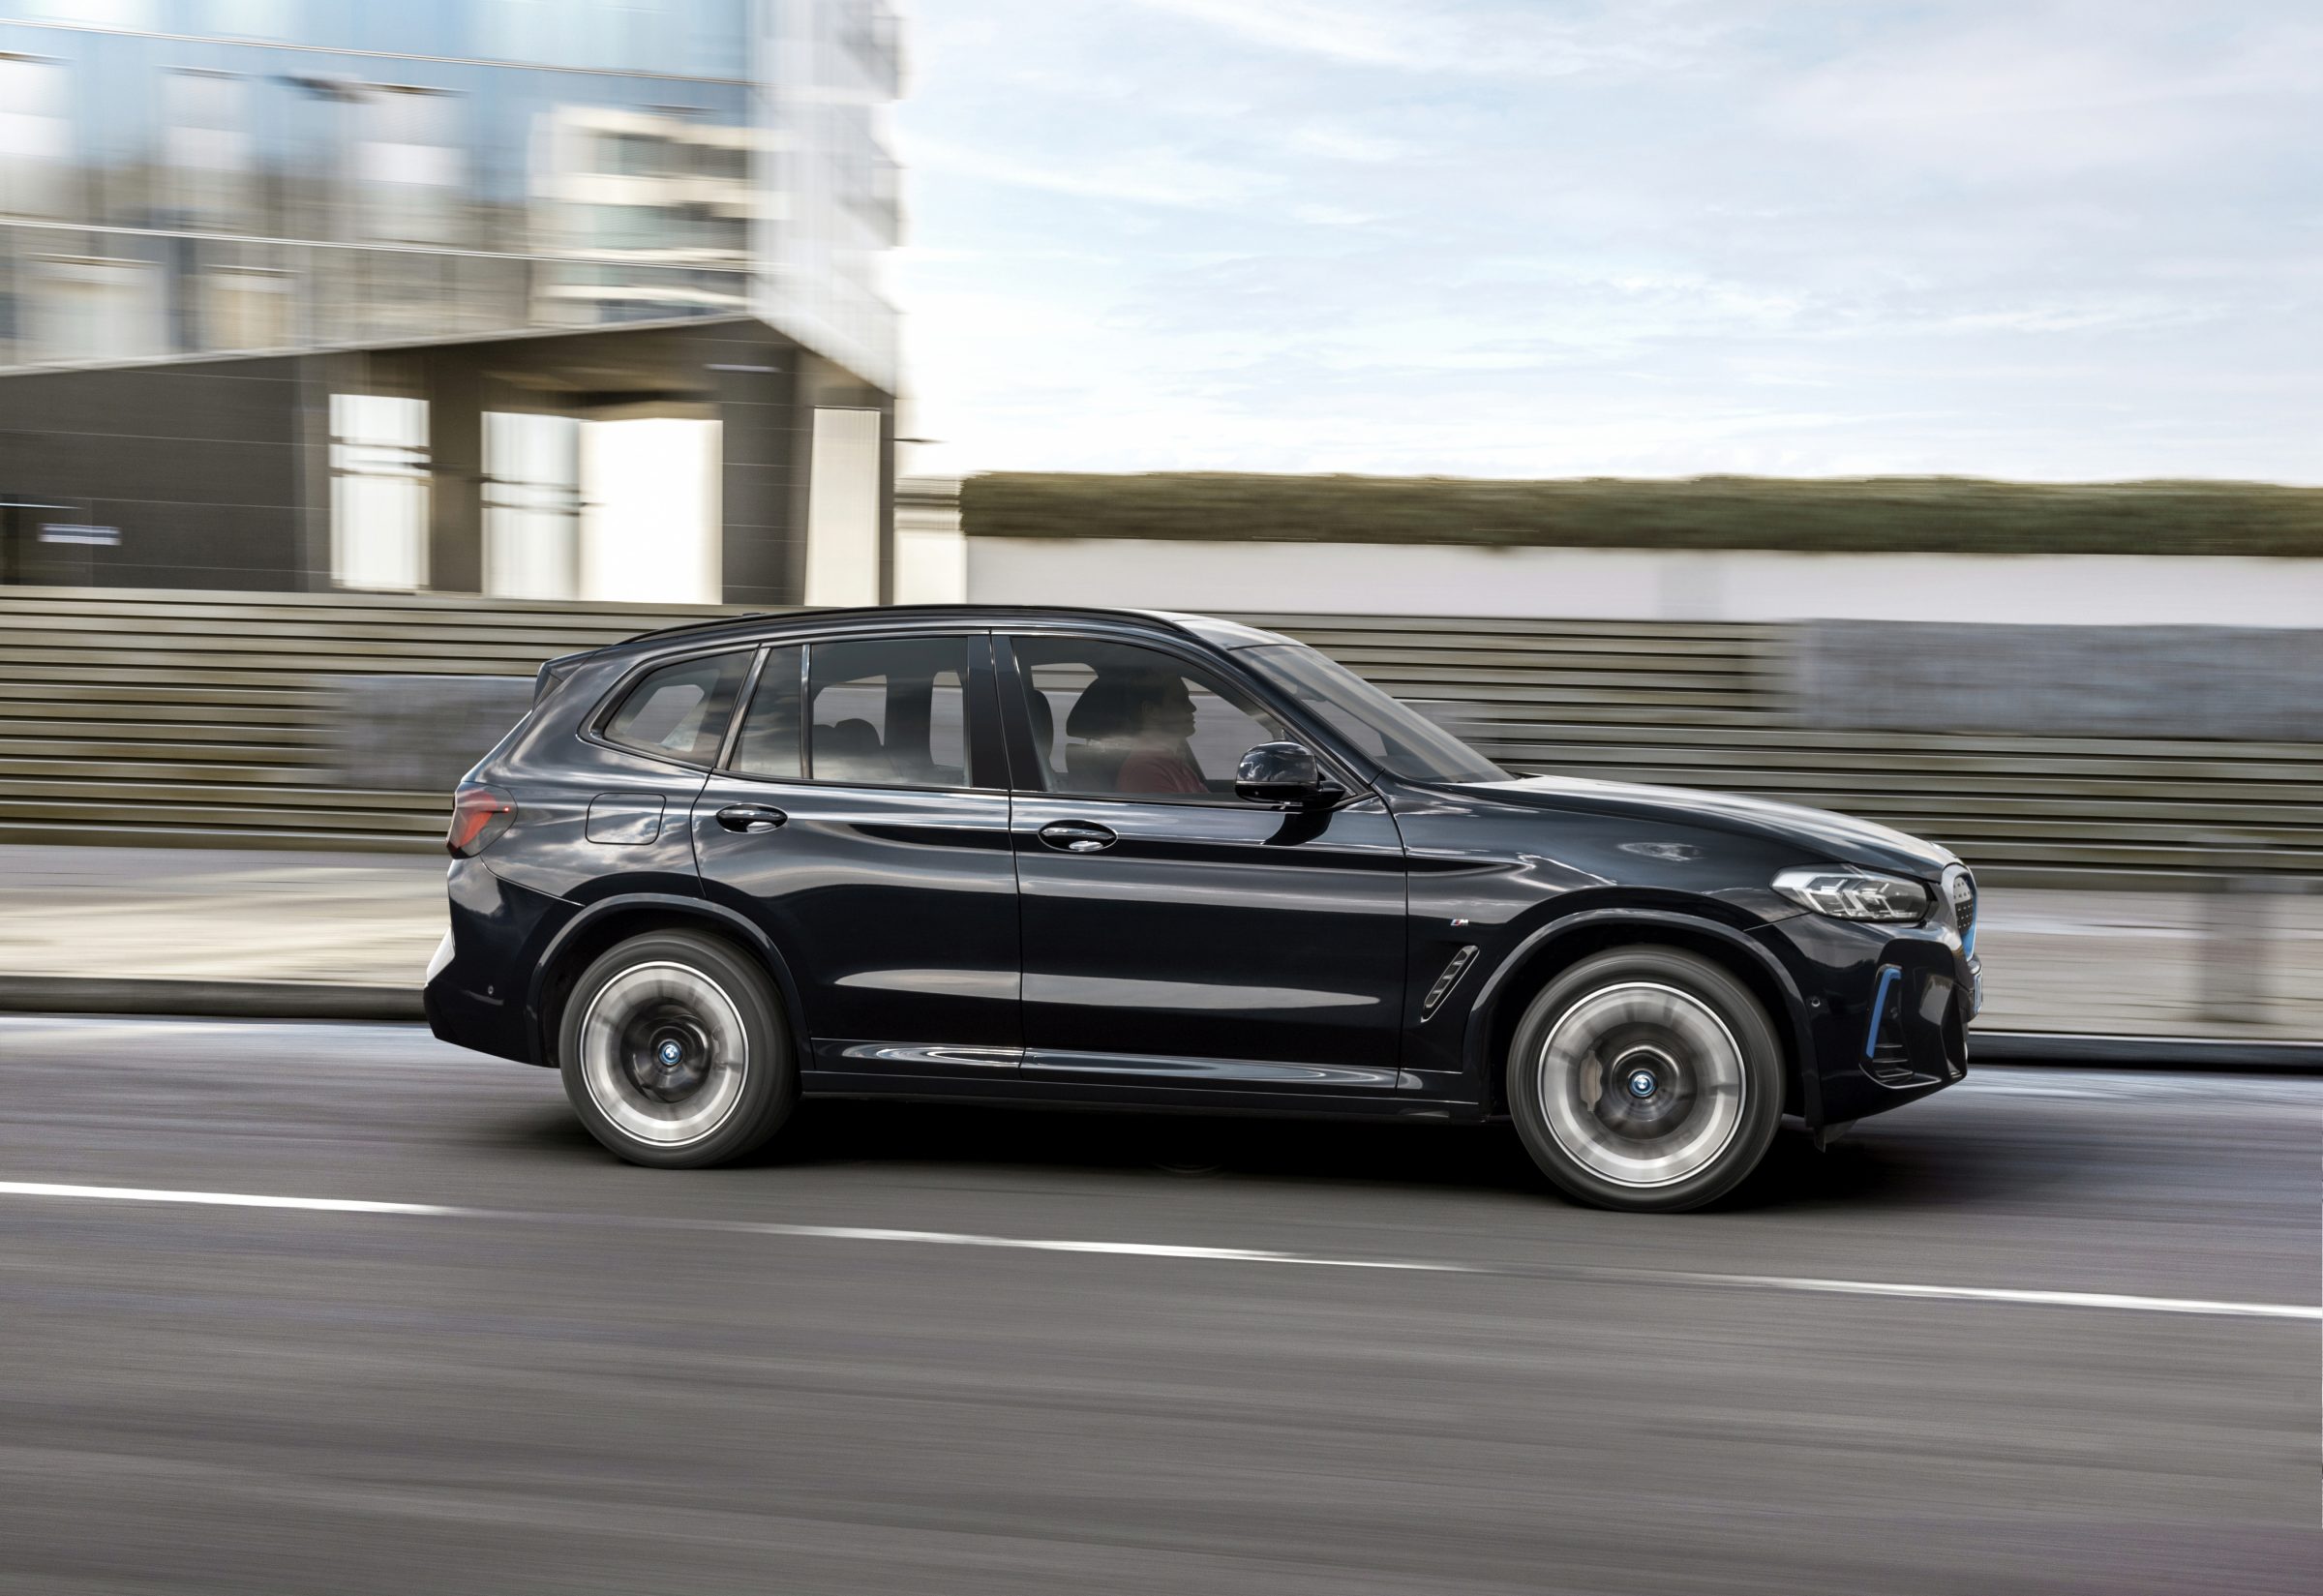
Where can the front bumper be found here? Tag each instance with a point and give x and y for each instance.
(1888, 1011)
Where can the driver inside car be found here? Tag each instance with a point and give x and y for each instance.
(1159, 758)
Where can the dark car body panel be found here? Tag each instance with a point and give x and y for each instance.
(1223, 935)
(897, 909)
(1363, 956)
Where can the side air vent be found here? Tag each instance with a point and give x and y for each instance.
(1444, 982)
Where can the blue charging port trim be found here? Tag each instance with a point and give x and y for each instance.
(1889, 975)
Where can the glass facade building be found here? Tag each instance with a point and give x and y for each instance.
(482, 295)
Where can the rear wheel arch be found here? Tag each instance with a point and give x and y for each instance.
(1555, 948)
(679, 1059)
(606, 925)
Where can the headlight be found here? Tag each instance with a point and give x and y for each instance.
(1854, 894)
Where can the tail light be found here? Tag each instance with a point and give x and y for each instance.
(480, 813)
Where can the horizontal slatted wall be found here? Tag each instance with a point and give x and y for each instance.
(194, 718)
(1705, 705)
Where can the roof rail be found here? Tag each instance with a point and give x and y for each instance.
(1176, 622)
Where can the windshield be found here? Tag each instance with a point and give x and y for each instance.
(1398, 738)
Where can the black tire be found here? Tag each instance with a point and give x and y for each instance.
(675, 1053)
(1646, 1079)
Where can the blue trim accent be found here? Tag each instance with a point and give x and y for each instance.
(1889, 975)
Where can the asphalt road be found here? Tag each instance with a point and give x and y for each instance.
(545, 1370)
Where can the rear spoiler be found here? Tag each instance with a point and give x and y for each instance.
(552, 673)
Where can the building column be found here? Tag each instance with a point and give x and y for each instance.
(455, 393)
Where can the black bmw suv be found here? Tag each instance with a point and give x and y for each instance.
(1159, 860)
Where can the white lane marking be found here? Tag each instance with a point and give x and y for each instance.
(229, 1200)
(745, 1227)
(1132, 1250)
(1159, 1249)
(2004, 1294)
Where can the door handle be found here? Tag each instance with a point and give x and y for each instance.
(1077, 836)
(751, 817)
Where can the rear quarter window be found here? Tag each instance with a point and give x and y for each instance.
(681, 710)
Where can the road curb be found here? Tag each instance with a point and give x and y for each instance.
(283, 999)
(2095, 1051)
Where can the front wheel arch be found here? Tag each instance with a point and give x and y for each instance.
(1707, 1070)
(1555, 948)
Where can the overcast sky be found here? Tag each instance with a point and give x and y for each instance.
(2041, 239)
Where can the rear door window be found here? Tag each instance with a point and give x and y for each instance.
(892, 712)
(679, 711)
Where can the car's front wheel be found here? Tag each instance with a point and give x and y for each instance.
(674, 1052)
(1645, 1078)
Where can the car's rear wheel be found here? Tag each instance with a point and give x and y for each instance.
(1645, 1078)
(674, 1052)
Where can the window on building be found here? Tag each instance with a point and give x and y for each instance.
(35, 137)
(532, 505)
(409, 165)
(649, 511)
(378, 491)
(247, 308)
(843, 509)
(206, 153)
(680, 710)
(92, 308)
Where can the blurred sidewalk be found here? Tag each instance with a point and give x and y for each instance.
(2116, 963)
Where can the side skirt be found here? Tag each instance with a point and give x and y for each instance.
(999, 1088)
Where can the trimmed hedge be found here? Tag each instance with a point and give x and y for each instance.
(1942, 514)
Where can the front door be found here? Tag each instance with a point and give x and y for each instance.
(868, 836)
(1175, 936)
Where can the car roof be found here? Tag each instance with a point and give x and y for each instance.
(1224, 634)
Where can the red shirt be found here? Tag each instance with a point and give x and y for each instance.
(1160, 770)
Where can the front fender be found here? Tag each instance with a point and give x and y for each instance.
(1509, 983)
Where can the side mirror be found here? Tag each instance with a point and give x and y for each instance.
(1282, 772)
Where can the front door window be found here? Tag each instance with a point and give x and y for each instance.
(1112, 719)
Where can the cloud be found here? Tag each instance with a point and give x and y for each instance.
(1350, 144)
(1364, 35)
(2022, 103)
(1330, 216)
(2046, 238)
(1489, 38)
(1153, 176)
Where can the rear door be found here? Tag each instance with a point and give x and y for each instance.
(1175, 937)
(861, 817)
